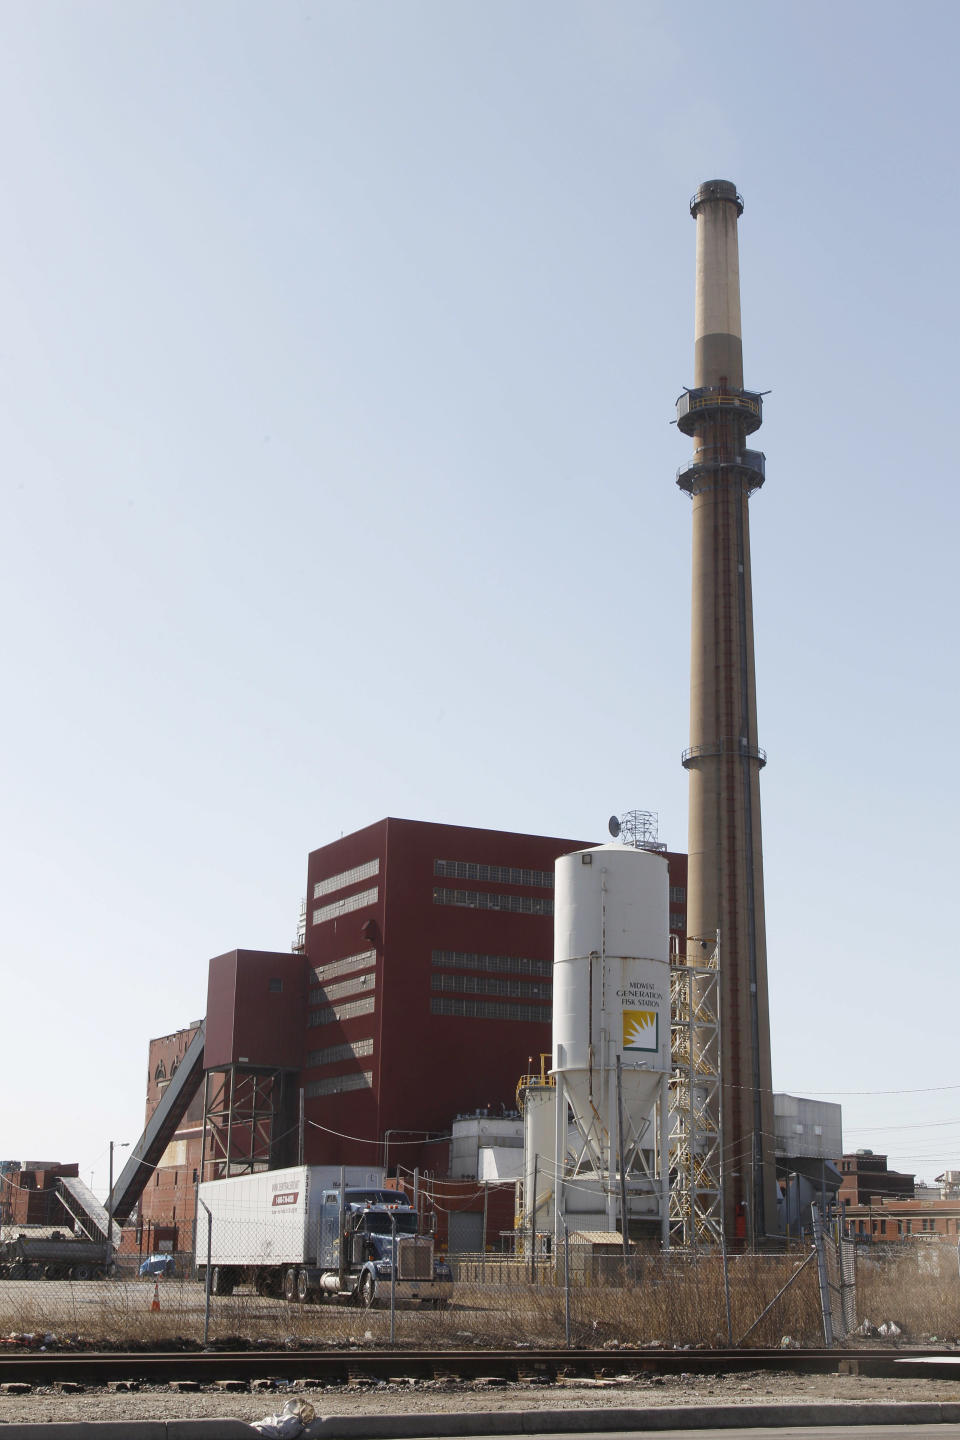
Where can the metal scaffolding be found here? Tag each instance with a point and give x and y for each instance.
(247, 1124)
(638, 828)
(696, 1139)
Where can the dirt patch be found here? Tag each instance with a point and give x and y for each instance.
(45, 1405)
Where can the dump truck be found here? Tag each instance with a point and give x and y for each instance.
(56, 1256)
(313, 1233)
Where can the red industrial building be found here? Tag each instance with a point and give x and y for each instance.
(430, 960)
(422, 991)
(29, 1193)
(168, 1203)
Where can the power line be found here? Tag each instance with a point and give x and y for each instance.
(361, 1140)
(920, 1090)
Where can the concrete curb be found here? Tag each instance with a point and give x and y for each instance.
(666, 1417)
(509, 1422)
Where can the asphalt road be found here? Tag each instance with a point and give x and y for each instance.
(56, 1301)
(55, 1305)
(63, 1296)
(778, 1432)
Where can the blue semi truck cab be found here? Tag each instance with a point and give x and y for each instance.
(370, 1241)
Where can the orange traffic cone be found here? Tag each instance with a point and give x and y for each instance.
(155, 1303)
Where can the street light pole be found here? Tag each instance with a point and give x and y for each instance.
(121, 1145)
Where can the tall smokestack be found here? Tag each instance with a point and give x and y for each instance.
(725, 875)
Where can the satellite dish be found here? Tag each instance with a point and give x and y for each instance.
(613, 825)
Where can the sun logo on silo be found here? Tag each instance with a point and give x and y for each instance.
(641, 1030)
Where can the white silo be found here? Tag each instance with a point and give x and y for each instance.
(539, 1100)
(611, 1003)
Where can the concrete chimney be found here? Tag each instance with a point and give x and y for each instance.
(724, 760)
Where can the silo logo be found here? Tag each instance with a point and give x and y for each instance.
(641, 1030)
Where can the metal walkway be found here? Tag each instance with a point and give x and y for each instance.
(89, 1217)
(160, 1130)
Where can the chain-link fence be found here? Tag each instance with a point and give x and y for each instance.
(840, 1272)
(585, 1295)
(914, 1285)
(584, 1299)
(673, 1299)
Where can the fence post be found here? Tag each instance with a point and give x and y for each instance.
(724, 1260)
(825, 1308)
(623, 1175)
(483, 1241)
(847, 1258)
(206, 1278)
(395, 1258)
(533, 1224)
(566, 1280)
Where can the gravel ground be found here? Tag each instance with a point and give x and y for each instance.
(451, 1397)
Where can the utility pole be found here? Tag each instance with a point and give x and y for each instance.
(121, 1145)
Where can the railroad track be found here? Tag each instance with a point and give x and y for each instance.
(333, 1367)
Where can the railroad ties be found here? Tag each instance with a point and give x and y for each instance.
(263, 1369)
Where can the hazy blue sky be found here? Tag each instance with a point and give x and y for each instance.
(338, 349)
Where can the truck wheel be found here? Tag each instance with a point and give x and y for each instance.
(290, 1285)
(81, 1272)
(221, 1281)
(303, 1287)
(367, 1290)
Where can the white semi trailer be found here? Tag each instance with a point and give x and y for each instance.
(316, 1233)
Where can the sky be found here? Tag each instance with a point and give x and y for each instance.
(339, 346)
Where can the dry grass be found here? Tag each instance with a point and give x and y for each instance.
(916, 1285)
(676, 1300)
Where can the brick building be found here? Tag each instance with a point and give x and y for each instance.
(28, 1192)
(889, 1220)
(168, 1204)
(421, 989)
(430, 959)
(882, 1206)
(864, 1177)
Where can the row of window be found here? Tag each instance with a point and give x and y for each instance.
(483, 900)
(678, 894)
(479, 985)
(329, 1013)
(928, 1225)
(364, 961)
(345, 878)
(334, 1053)
(505, 964)
(490, 1010)
(326, 993)
(344, 905)
(336, 1084)
(498, 874)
